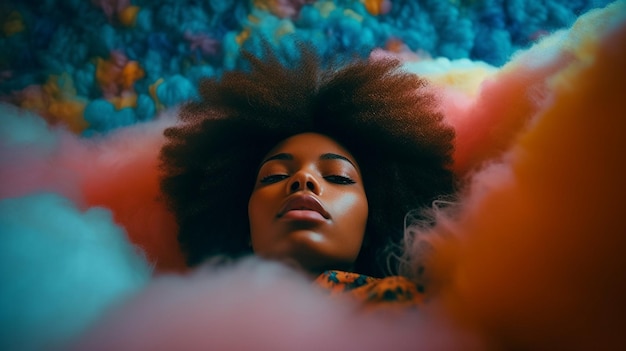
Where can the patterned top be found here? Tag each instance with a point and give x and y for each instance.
(395, 291)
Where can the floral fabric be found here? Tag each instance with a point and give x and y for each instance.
(394, 291)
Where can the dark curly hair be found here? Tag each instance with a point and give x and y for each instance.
(383, 116)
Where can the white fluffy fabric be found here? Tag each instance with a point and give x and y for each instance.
(256, 305)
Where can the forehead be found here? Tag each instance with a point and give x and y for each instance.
(309, 144)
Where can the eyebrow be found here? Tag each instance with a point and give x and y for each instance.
(331, 156)
(326, 156)
(281, 156)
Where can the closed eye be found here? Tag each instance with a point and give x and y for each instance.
(337, 179)
(273, 178)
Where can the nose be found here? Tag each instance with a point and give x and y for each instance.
(304, 180)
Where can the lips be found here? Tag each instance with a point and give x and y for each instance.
(303, 203)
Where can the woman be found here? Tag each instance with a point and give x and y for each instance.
(315, 167)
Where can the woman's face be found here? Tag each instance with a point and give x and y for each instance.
(308, 205)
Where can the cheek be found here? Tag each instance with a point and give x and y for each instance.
(261, 212)
(352, 208)
(256, 213)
